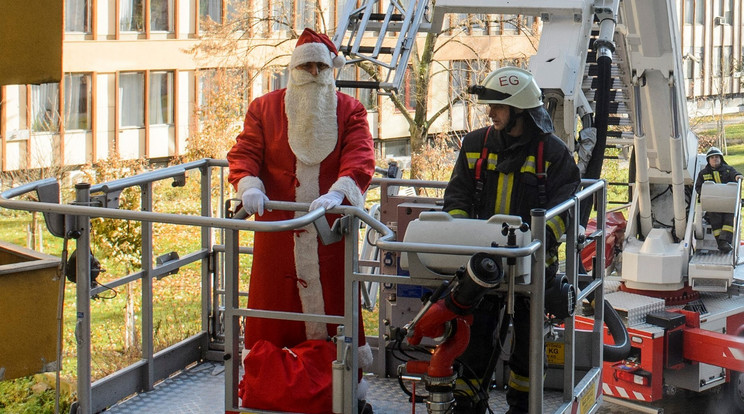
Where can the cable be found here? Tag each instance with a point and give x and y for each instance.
(98, 296)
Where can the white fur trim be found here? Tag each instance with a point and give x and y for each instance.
(311, 52)
(339, 61)
(307, 264)
(250, 181)
(362, 389)
(348, 187)
(365, 357)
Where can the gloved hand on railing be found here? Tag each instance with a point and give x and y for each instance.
(253, 201)
(328, 201)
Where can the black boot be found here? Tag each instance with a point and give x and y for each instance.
(518, 401)
(724, 246)
(364, 407)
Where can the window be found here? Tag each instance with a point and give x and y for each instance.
(689, 63)
(77, 101)
(77, 16)
(132, 16)
(234, 9)
(45, 107)
(479, 24)
(510, 24)
(689, 11)
(494, 25)
(305, 14)
(698, 71)
(458, 80)
(281, 14)
(717, 7)
(211, 9)
(728, 11)
(226, 90)
(700, 12)
(396, 148)
(161, 98)
(728, 60)
(368, 97)
(131, 99)
(160, 16)
(278, 80)
(717, 61)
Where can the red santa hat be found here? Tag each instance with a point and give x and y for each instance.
(316, 47)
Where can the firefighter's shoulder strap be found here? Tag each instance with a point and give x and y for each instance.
(479, 175)
(542, 176)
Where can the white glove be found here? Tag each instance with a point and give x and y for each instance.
(328, 201)
(253, 201)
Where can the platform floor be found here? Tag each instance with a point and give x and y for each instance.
(200, 390)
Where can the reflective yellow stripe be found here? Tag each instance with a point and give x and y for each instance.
(707, 177)
(716, 232)
(550, 260)
(519, 382)
(492, 161)
(529, 165)
(558, 227)
(503, 193)
(457, 212)
(472, 158)
(727, 228)
(717, 176)
(463, 387)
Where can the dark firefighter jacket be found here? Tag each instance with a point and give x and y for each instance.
(724, 174)
(511, 183)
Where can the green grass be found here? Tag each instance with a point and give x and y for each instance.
(735, 157)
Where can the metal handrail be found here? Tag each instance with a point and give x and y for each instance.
(82, 210)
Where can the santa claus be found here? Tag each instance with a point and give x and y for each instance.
(307, 143)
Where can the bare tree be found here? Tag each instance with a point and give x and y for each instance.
(423, 62)
(258, 40)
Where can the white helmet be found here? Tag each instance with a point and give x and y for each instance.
(509, 86)
(713, 151)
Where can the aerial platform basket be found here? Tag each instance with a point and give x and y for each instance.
(29, 289)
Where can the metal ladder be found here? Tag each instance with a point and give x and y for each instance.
(357, 22)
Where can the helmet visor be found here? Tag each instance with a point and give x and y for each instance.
(485, 94)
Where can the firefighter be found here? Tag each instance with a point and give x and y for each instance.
(510, 167)
(718, 171)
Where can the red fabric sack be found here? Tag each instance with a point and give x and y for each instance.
(296, 380)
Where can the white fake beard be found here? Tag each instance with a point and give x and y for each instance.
(310, 105)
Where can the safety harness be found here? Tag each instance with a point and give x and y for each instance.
(542, 176)
(479, 176)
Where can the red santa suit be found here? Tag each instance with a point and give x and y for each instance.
(294, 271)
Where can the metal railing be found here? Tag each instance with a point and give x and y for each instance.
(73, 220)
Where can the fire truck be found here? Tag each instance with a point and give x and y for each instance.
(656, 306)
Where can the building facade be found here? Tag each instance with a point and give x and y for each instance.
(130, 87)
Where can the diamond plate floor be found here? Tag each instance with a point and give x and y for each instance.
(200, 390)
